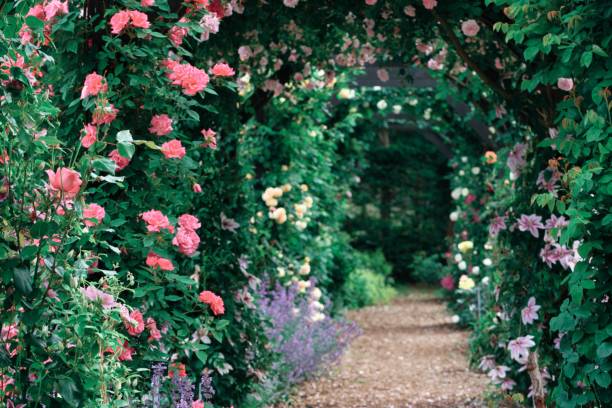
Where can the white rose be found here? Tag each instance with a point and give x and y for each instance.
(455, 319)
(454, 216)
(462, 266)
(382, 104)
(487, 262)
(397, 109)
(475, 170)
(456, 193)
(458, 258)
(465, 192)
(476, 270)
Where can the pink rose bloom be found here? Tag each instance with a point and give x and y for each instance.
(104, 115)
(565, 84)
(245, 52)
(382, 74)
(210, 139)
(154, 333)
(371, 2)
(430, 4)
(447, 282)
(155, 261)
(530, 313)
(222, 70)
(156, 221)
(215, 302)
(134, 322)
(188, 77)
(173, 149)
(90, 137)
(119, 21)
(147, 3)
(139, 19)
(96, 295)
(187, 241)
(291, 3)
(92, 211)
(176, 35)
(94, 84)
(125, 351)
(196, 188)
(120, 161)
(197, 404)
(188, 221)
(410, 11)
(55, 8)
(470, 28)
(65, 180)
(161, 125)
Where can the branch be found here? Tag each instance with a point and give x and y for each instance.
(466, 58)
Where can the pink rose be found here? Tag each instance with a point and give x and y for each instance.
(382, 74)
(55, 8)
(430, 4)
(210, 138)
(173, 149)
(104, 114)
(196, 188)
(188, 77)
(291, 3)
(187, 241)
(90, 137)
(156, 221)
(92, 211)
(161, 125)
(156, 261)
(139, 19)
(119, 21)
(410, 11)
(245, 52)
(215, 302)
(189, 221)
(565, 84)
(176, 35)
(65, 180)
(222, 70)
(470, 28)
(371, 2)
(94, 84)
(197, 404)
(147, 3)
(134, 322)
(120, 161)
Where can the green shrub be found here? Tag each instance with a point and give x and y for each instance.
(369, 283)
(426, 268)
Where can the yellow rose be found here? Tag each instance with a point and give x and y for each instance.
(466, 283)
(465, 246)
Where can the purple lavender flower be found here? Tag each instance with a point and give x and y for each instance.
(530, 223)
(206, 388)
(156, 381)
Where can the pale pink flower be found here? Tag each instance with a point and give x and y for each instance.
(245, 52)
(186, 240)
(196, 188)
(90, 137)
(229, 224)
(210, 138)
(371, 2)
(104, 114)
(173, 149)
(498, 223)
(65, 181)
(161, 125)
(96, 295)
(519, 347)
(470, 28)
(291, 3)
(55, 8)
(197, 404)
(498, 373)
(147, 3)
(410, 11)
(94, 84)
(430, 4)
(139, 19)
(530, 313)
(508, 384)
(119, 21)
(156, 221)
(176, 35)
(382, 74)
(189, 221)
(530, 223)
(487, 363)
(155, 261)
(93, 211)
(565, 84)
(222, 70)
(120, 161)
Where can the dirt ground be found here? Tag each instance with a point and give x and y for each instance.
(410, 356)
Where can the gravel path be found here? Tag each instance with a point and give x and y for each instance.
(410, 355)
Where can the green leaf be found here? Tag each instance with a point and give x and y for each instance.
(603, 379)
(531, 52)
(29, 252)
(124, 136)
(69, 391)
(104, 164)
(34, 23)
(126, 150)
(23, 280)
(586, 58)
(604, 350)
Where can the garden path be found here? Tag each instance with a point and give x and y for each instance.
(410, 356)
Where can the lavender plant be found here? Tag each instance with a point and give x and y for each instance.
(304, 337)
